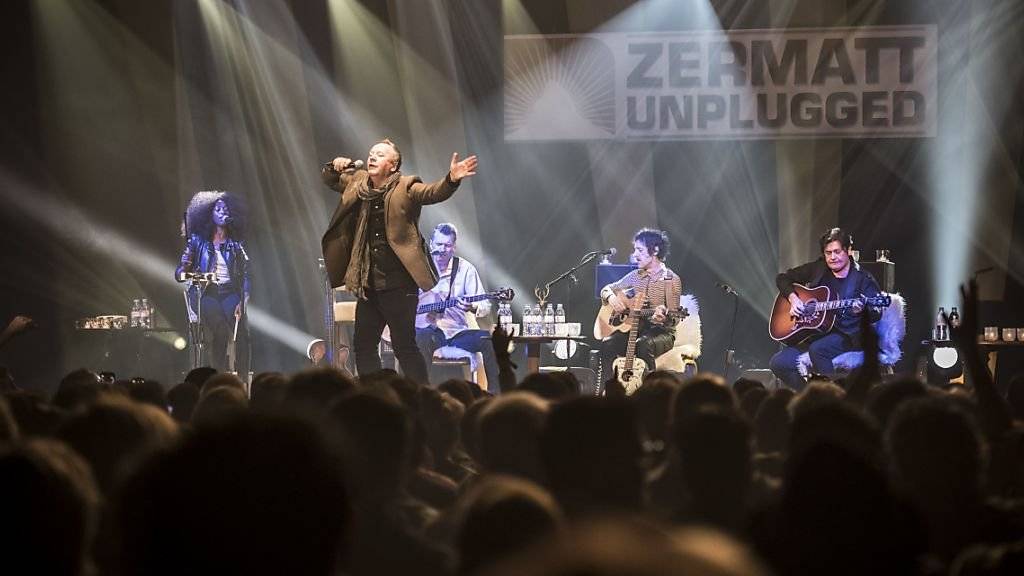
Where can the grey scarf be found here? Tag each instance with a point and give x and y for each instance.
(357, 275)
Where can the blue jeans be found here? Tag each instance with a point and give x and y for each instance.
(218, 310)
(821, 352)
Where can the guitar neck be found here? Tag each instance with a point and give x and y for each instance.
(444, 304)
(836, 304)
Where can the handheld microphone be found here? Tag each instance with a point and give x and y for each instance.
(352, 165)
(727, 289)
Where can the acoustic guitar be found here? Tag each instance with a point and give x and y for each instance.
(819, 315)
(629, 369)
(609, 321)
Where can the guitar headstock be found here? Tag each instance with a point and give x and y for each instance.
(505, 294)
(882, 300)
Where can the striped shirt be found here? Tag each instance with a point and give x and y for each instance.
(663, 287)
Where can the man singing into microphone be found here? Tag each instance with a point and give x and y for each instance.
(373, 246)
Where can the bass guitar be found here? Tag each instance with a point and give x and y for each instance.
(430, 307)
(819, 314)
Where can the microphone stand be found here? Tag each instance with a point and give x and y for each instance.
(542, 293)
(730, 354)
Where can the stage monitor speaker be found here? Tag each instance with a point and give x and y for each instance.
(587, 378)
(764, 376)
(605, 274)
(884, 272)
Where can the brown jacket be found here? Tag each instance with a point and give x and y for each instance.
(401, 221)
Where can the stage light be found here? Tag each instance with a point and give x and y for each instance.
(180, 343)
(939, 363)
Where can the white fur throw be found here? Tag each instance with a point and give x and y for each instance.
(688, 338)
(891, 329)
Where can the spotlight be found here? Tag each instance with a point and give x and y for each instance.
(940, 363)
(316, 350)
(179, 343)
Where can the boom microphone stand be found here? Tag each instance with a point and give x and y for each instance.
(542, 293)
(730, 354)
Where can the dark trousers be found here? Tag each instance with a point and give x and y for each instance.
(395, 308)
(649, 345)
(218, 316)
(432, 338)
(821, 352)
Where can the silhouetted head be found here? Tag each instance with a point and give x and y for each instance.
(113, 433)
(510, 428)
(199, 375)
(252, 494)
(704, 388)
(937, 452)
(267, 391)
(591, 451)
(500, 516)
(219, 404)
(311, 391)
(50, 508)
(78, 388)
(374, 436)
(182, 401)
(772, 422)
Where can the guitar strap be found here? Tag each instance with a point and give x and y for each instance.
(451, 279)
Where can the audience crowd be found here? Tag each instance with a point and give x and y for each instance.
(319, 473)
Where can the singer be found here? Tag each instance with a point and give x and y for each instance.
(654, 282)
(215, 227)
(374, 248)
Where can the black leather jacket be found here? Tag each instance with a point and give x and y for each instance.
(198, 256)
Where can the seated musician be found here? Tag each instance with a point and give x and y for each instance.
(458, 278)
(844, 278)
(662, 288)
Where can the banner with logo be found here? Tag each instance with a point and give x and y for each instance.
(870, 82)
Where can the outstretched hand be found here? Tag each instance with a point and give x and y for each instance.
(20, 324)
(500, 340)
(965, 336)
(994, 413)
(16, 326)
(460, 169)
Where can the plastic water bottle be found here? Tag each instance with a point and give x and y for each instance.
(133, 317)
(144, 318)
(954, 318)
(559, 314)
(549, 320)
(505, 315)
(941, 329)
(528, 320)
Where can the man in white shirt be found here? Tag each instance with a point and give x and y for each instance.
(451, 327)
